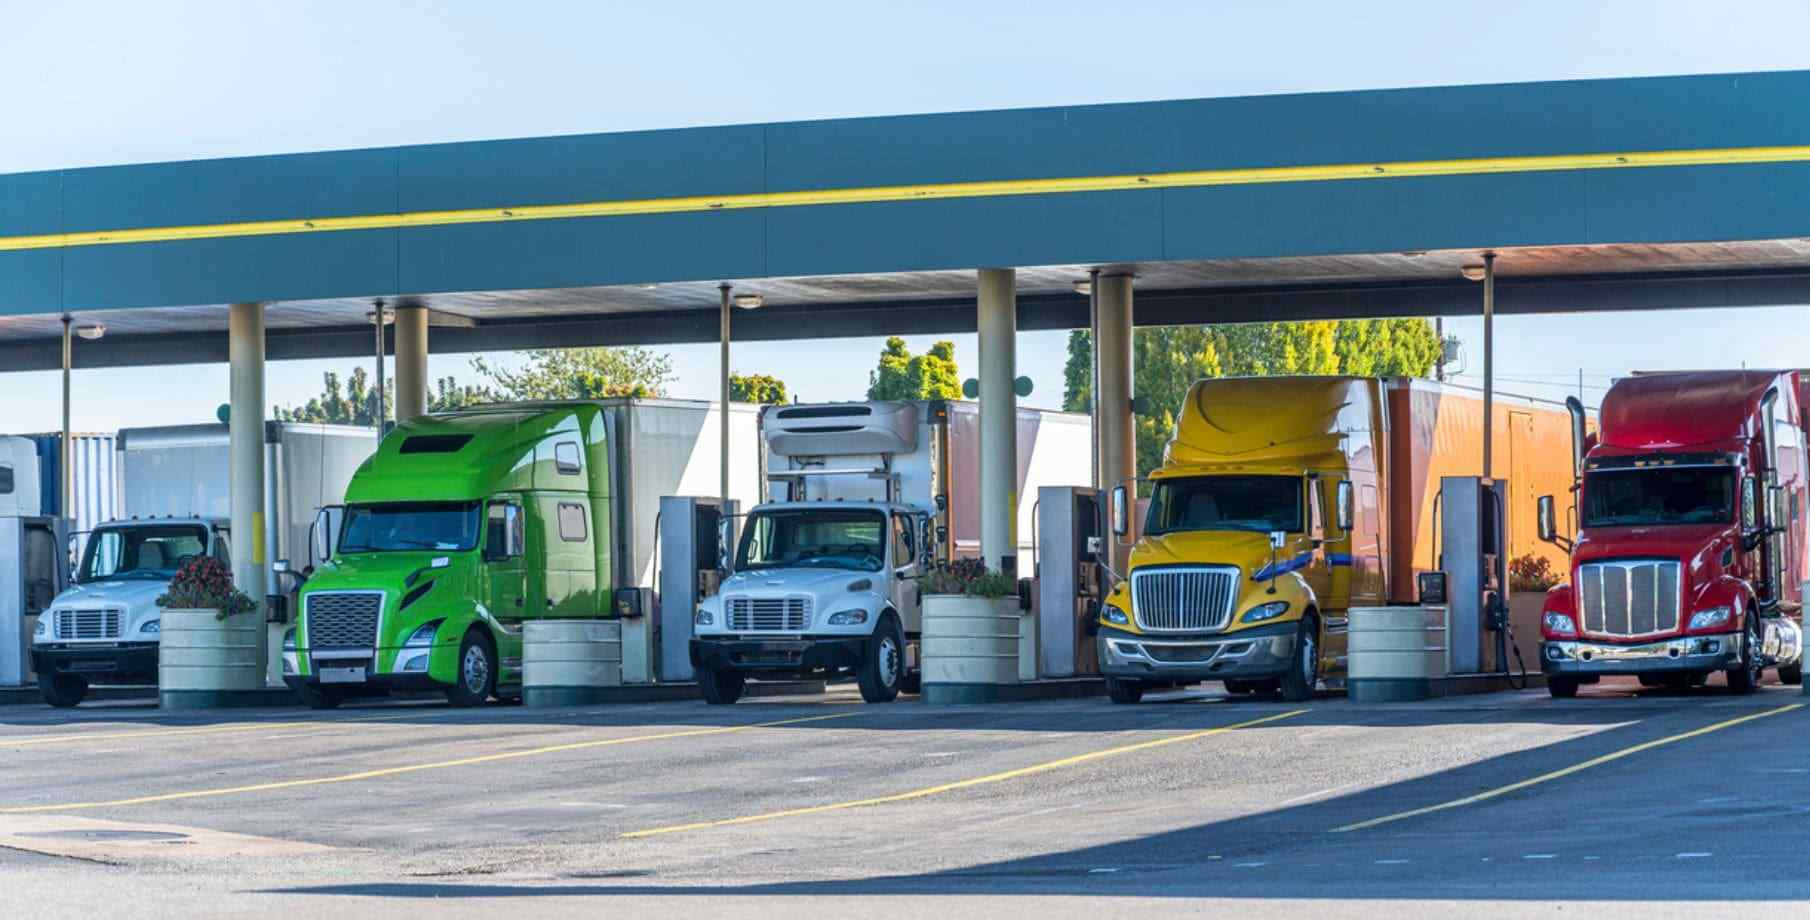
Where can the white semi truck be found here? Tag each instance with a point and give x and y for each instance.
(861, 499)
(174, 483)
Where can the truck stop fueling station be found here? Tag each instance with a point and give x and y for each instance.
(1628, 195)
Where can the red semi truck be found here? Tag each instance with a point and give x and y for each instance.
(1689, 549)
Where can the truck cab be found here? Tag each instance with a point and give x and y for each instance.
(105, 627)
(1689, 554)
(818, 589)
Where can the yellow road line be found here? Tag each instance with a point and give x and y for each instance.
(962, 784)
(235, 728)
(1199, 178)
(1558, 774)
(412, 768)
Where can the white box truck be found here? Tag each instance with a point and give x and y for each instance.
(175, 486)
(862, 499)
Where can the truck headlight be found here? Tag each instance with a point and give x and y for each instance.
(152, 627)
(1262, 612)
(1114, 615)
(41, 629)
(848, 618)
(291, 665)
(1714, 616)
(704, 618)
(1559, 624)
(423, 635)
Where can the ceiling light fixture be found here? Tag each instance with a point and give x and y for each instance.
(749, 301)
(91, 331)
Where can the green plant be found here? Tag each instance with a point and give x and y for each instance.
(203, 583)
(1531, 573)
(970, 578)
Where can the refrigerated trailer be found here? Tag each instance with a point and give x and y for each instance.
(174, 490)
(465, 526)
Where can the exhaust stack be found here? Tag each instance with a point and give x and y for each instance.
(1576, 407)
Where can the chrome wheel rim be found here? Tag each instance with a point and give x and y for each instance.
(1756, 668)
(476, 670)
(1310, 659)
(889, 662)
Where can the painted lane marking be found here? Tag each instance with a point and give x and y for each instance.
(1695, 855)
(1266, 175)
(1567, 771)
(234, 728)
(960, 784)
(413, 768)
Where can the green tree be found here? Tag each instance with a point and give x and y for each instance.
(902, 375)
(757, 388)
(353, 405)
(579, 373)
(1168, 359)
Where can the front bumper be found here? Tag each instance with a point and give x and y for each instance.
(1589, 657)
(799, 655)
(355, 673)
(124, 662)
(1261, 653)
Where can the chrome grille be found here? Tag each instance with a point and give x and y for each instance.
(1634, 598)
(88, 624)
(342, 620)
(774, 614)
(1183, 600)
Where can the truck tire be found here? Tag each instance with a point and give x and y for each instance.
(1123, 691)
(64, 691)
(475, 680)
(1792, 675)
(1562, 688)
(1746, 678)
(883, 663)
(315, 696)
(1303, 674)
(720, 688)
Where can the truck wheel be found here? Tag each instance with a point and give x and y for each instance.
(1562, 688)
(720, 688)
(64, 691)
(1124, 691)
(1792, 675)
(1303, 674)
(883, 664)
(476, 679)
(318, 697)
(1746, 678)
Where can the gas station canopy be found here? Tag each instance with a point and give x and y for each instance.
(1598, 195)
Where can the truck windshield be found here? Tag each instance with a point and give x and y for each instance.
(1257, 503)
(448, 526)
(148, 553)
(1663, 495)
(813, 538)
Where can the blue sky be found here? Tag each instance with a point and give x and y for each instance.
(103, 83)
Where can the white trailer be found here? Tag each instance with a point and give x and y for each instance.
(176, 493)
(862, 499)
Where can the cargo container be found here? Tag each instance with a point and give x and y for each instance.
(862, 499)
(466, 525)
(95, 485)
(175, 501)
(1282, 502)
(1689, 556)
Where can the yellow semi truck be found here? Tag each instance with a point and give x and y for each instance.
(1281, 503)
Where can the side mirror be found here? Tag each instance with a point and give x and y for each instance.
(1775, 506)
(1548, 523)
(321, 536)
(1121, 511)
(1346, 513)
(926, 556)
(724, 560)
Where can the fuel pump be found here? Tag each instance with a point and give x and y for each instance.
(1069, 579)
(34, 568)
(688, 570)
(1474, 555)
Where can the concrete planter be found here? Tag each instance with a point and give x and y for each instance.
(204, 662)
(972, 646)
(570, 662)
(1397, 653)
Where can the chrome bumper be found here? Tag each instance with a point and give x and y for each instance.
(1694, 653)
(1245, 655)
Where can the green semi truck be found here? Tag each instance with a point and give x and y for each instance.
(464, 526)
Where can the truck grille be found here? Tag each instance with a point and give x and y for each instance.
(777, 614)
(1184, 600)
(1628, 599)
(88, 624)
(343, 620)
